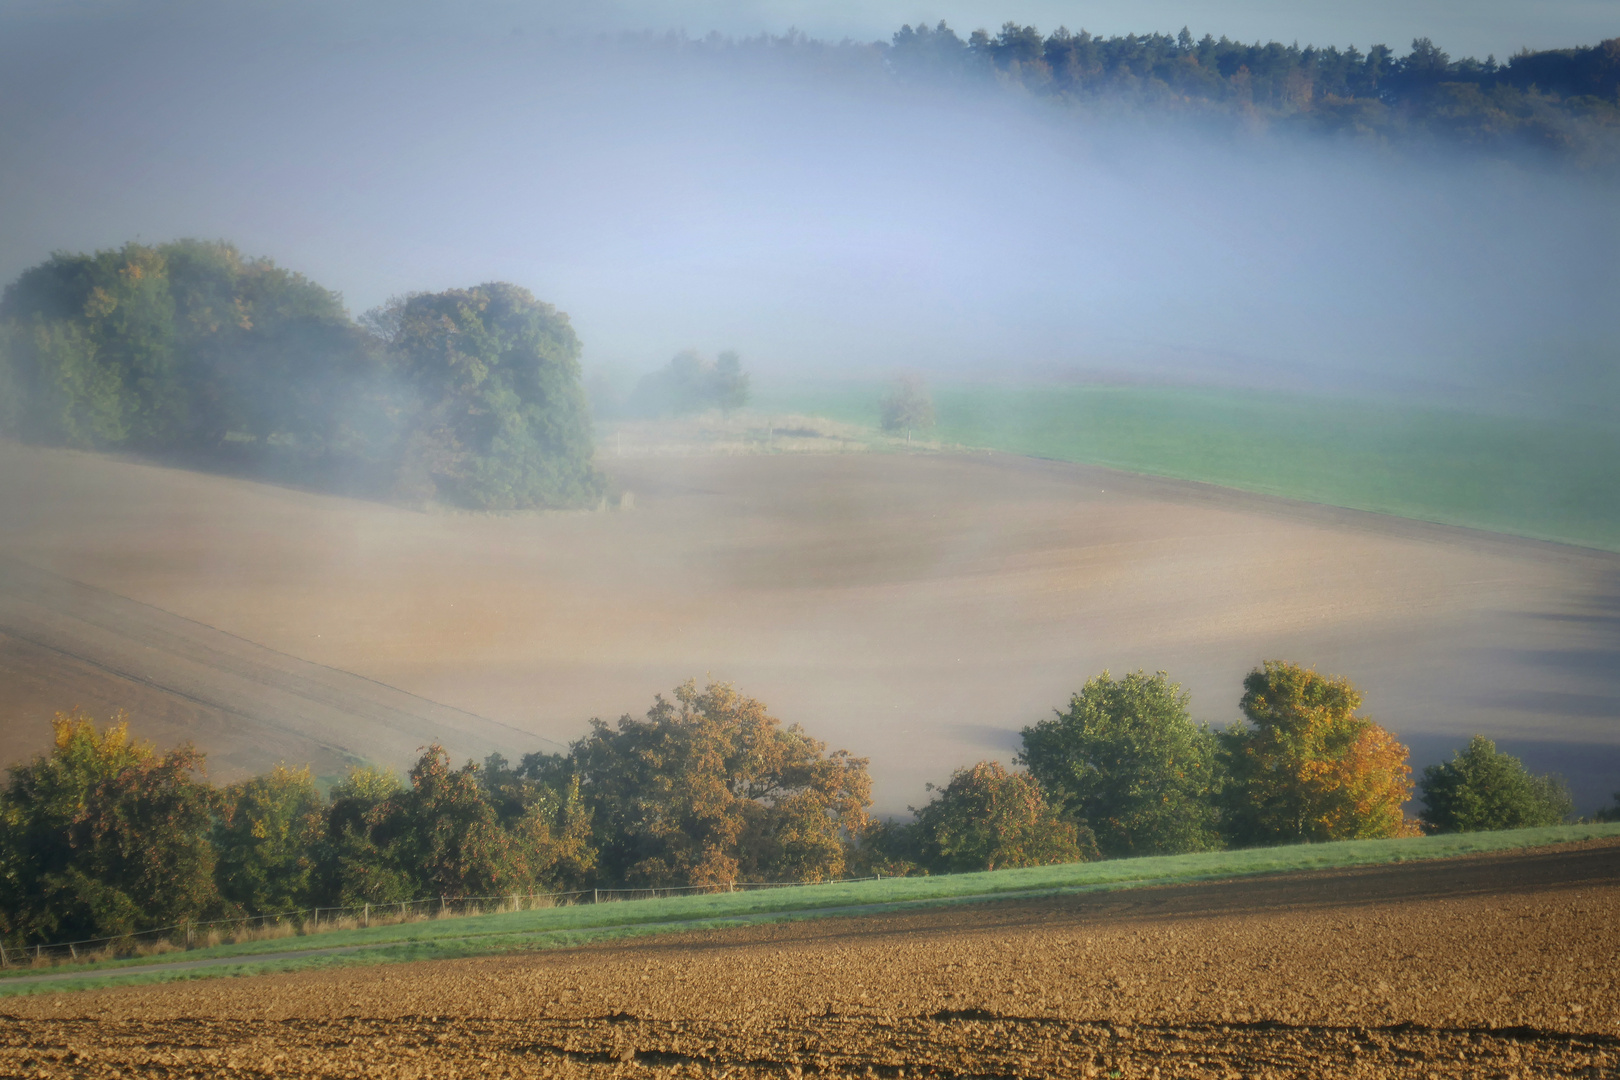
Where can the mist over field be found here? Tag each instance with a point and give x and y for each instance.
(792, 201)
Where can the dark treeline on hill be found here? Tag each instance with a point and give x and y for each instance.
(1561, 102)
(104, 837)
(189, 351)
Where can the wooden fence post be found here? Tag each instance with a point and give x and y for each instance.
(5, 961)
(368, 913)
(596, 896)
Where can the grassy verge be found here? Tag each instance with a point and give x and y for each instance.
(1542, 478)
(567, 926)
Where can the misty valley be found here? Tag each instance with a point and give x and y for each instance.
(546, 543)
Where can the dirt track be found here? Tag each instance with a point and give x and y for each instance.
(1493, 966)
(915, 609)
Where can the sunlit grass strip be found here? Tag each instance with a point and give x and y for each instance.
(565, 926)
(1525, 475)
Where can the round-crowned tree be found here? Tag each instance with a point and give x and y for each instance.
(1128, 760)
(988, 818)
(499, 417)
(1481, 789)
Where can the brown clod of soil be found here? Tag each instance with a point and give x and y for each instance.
(1500, 966)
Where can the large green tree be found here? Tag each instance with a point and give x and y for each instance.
(1306, 767)
(499, 419)
(1481, 789)
(710, 789)
(1128, 760)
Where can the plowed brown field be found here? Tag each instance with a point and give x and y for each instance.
(915, 609)
(1485, 967)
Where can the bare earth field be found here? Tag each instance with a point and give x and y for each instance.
(915, 608)
(1492, 966)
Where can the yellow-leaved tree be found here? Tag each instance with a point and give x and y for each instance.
(1307, 768)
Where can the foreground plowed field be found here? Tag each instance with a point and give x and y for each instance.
(1488, 966)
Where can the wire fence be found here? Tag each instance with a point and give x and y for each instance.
(196, 934)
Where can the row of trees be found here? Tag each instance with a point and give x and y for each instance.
(105, 836)
(1561, 102)
(192, 350)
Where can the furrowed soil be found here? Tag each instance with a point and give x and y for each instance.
(1494, 966)
(916, 609)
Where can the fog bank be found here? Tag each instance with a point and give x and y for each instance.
(802, 207)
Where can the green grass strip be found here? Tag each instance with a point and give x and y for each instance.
(1551, 479)
(569, 926)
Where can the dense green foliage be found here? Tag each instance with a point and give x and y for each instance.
(1306, 768)
(985, 818)
(1482, 789)
(1127, 759)
(1522, 474)
(191, 350)
(498, 418)
(104, 836)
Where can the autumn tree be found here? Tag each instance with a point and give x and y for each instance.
(540, 803)
(907, 407)
(1306, 767)
(1482, 789)
(710, 788)
(987, 818)
(1127, 759)
(104, 836)
(266, 841)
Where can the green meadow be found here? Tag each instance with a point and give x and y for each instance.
(1530, 476)
(560, 927)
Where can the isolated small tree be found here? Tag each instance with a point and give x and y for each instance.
(1482, 789)
(1127, 759)
(1307, 768)
(730, 388)
(988, 818)
(907, 407)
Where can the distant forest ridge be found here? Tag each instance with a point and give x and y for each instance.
(1563, 103)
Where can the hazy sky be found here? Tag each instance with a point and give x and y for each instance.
(668, 200)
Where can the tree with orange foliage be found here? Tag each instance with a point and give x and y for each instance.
(1307, 768)
(104, 836)
(710, 788)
